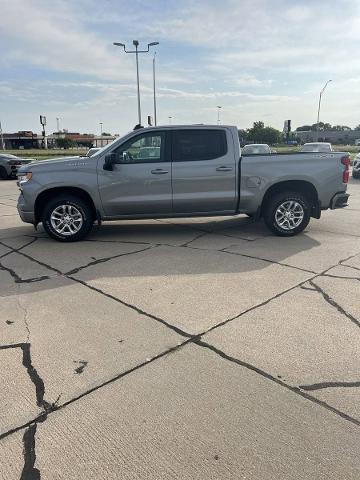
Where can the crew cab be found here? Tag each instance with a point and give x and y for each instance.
(180, 171)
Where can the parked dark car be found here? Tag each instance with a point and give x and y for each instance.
(356, 167)
(9, 165)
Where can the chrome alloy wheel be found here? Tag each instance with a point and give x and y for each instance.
(289, 215)
(66, 220)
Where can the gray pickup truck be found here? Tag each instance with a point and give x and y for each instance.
(180, 171)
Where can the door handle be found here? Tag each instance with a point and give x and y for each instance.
(224, 169)
(159, 171)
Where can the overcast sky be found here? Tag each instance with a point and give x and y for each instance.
(259, 59)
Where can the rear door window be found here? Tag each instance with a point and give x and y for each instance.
(197, 145)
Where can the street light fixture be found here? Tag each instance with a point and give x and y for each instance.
(101, 130)
(137, 51)
(320, 96)
(154, 89)
(218, 114)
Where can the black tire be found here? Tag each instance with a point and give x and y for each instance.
(71, 201)
(271, 216)
(3, 173)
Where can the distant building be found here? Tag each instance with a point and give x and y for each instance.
(28, 139)
(24, 139)
(345, 137)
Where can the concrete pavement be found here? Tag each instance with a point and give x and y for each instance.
(180, 349)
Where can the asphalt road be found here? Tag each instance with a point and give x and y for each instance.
(180, 349)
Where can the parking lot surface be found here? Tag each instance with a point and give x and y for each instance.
(180, 349)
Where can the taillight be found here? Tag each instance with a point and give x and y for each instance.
(346, 162)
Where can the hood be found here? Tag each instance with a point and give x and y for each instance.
(56, 162)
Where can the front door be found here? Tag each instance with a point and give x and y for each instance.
(203, 171)
(140, 182)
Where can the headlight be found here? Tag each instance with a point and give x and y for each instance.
(24, 177)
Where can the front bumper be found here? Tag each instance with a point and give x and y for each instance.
(25, 215)
(339, 200)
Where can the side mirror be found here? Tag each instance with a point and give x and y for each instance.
(110, 159)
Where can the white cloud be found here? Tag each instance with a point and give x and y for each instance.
(48, 35)
(262, 59)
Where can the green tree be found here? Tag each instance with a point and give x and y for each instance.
(243, 135)
(65, 143)
(261, 134)
(357, 127)
(304, 128)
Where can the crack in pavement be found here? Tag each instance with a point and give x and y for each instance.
(307, 288)
(276, 380)
(55, 406)
(350, 266)
(320, 386)
(334, 304)
(178, 330)
(18, 279)
(106, 259)
(35, 378)
(275, 262)
(15, 250)
(24, 309)
(196, 339)
(202, 234)
(29, 472)
(340, 277)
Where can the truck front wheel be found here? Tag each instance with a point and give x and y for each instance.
(67, 219)
(287, 213)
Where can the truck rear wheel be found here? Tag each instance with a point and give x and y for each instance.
(67, 219)
(287, 214)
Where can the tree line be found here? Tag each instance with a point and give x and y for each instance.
(321, 126)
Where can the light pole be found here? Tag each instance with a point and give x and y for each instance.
(2, 138)
(101, 130)
(170, 120)
(137, 51)
(218, 114)
(58, 124)
(154, 88)
(318, 115)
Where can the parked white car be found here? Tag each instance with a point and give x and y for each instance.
(256, 149)
(318, 147)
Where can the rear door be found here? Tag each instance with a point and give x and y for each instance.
(203, 171)
(140, 182)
